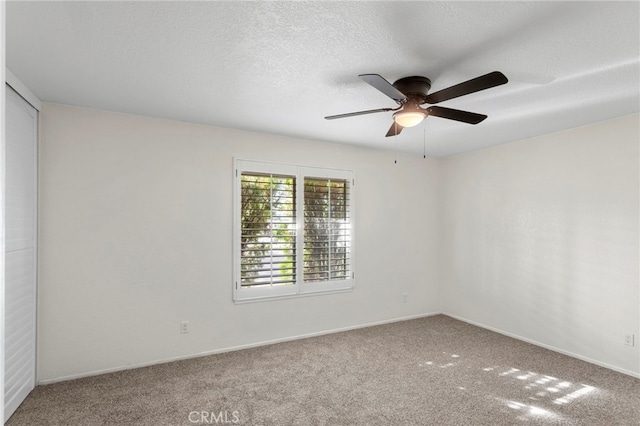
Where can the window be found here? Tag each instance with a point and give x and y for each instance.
(293, 230)
(326, 230)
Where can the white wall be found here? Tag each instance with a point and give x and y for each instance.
(540, 240)
(136, 234)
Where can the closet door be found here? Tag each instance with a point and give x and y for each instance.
(20, 250)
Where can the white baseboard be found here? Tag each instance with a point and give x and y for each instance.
(230, 349)
(551, 348)
(336, 330)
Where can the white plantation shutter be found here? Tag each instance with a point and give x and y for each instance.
(293, 230)
(326, 229)
(268, 234)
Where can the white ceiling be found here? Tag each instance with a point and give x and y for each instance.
(280, 67)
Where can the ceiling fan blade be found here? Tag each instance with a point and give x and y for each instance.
(352, 114)
(394, 130)
(456, 114)
(487, 81)
(384, 86)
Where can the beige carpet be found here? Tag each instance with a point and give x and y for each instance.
(429, 371)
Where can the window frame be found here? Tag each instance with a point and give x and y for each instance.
(300, 288)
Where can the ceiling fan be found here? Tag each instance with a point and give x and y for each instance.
(411, 92)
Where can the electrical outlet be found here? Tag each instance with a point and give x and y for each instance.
(404, 297)
(629, 339)
(184, 327)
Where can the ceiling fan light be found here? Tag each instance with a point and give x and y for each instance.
(408, 118)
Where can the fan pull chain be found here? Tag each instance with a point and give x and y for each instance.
(395, 152)
(424, 142)
(395, 144)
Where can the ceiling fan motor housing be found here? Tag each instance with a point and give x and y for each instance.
(415, 88)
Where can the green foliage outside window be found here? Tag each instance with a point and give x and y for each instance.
(268, 234)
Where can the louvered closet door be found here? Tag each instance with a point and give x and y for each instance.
(20, 251)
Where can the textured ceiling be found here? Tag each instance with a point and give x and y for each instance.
(280, 67)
